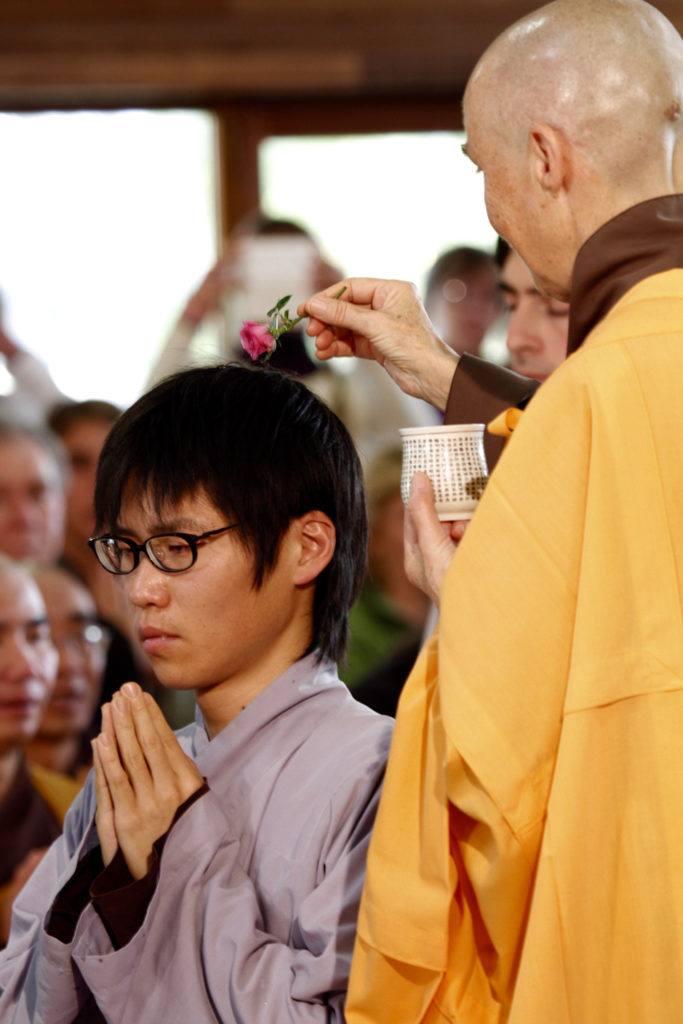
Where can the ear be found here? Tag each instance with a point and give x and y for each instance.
(550, 158)
(317, 539)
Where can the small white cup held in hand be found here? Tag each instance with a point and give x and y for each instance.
(453, 458)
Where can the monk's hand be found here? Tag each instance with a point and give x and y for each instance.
(384, 321)
(104, 810)
(147, 777)
(429, 544)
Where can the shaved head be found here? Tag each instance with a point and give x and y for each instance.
(606, 78)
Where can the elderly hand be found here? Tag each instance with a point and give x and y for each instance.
(385, 321)
(142, 776)
(429, 544)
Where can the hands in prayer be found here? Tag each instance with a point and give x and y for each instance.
(142, 776)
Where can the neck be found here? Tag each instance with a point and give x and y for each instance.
(58, 754)
(10, 760)
(222, 702)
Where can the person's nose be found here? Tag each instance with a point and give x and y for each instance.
(71, 659)
(19, 658)
(146, 584)
(522, 334)
(22, 511)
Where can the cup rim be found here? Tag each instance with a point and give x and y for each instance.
(442, 428)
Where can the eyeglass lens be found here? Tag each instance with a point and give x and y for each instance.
(166, 552)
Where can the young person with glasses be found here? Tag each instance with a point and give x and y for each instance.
(215, 875)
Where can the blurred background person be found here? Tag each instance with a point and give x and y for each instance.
(81, 428)
(537, 325)
(390, 612)
(33, 801)
(32, 504)
(71, 718)
(34, 390)
(226, 294)
(462, 297)
(238, 287)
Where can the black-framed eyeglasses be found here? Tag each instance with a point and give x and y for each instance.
(170, 552)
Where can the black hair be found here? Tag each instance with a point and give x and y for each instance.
(264, 450)
(502, 252)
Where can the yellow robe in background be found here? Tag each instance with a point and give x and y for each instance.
(527, 860)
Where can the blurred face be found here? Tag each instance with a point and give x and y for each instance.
(464, 308)
(31, 501)
(82, 650)
(28, 661)
(537, 325)
(83, 443)
(207, 626)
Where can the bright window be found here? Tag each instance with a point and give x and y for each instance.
(380, 205)
(108, 222)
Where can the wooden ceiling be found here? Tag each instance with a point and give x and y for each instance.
(108, 53)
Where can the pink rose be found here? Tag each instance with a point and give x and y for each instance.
(256, 338)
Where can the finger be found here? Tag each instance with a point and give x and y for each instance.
(102, 794)
(188, 775)
(131, 756)
(163, 754)
(107, 724)
(341, 313)
(457, 529)
(433, 540)
(104, 814)
(364, 291)
(115, 775)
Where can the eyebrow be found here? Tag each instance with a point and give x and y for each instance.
(29, 624)
(181, 524)
(78, 618)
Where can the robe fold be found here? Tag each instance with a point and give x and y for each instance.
(254, 912)
(527, 860)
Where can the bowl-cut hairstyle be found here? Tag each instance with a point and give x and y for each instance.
(265, 450)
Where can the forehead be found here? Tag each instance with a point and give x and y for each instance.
(86, 434)
(64, 597)
(20, 598)
(23, 459)
(194, 513)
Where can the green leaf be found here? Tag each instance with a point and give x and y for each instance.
(278, 305)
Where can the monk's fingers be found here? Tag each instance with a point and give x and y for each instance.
(186, 772)
(131, 756)
(429, 548)
(154, 737)
(174, 776)
(102, 794)
(104, 813)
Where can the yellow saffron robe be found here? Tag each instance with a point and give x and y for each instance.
(527, 859)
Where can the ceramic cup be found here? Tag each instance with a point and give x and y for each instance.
(453, 458)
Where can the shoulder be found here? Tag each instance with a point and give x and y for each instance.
(57, 790)
(347, 751)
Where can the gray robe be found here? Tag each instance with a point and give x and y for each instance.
(254, 913)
